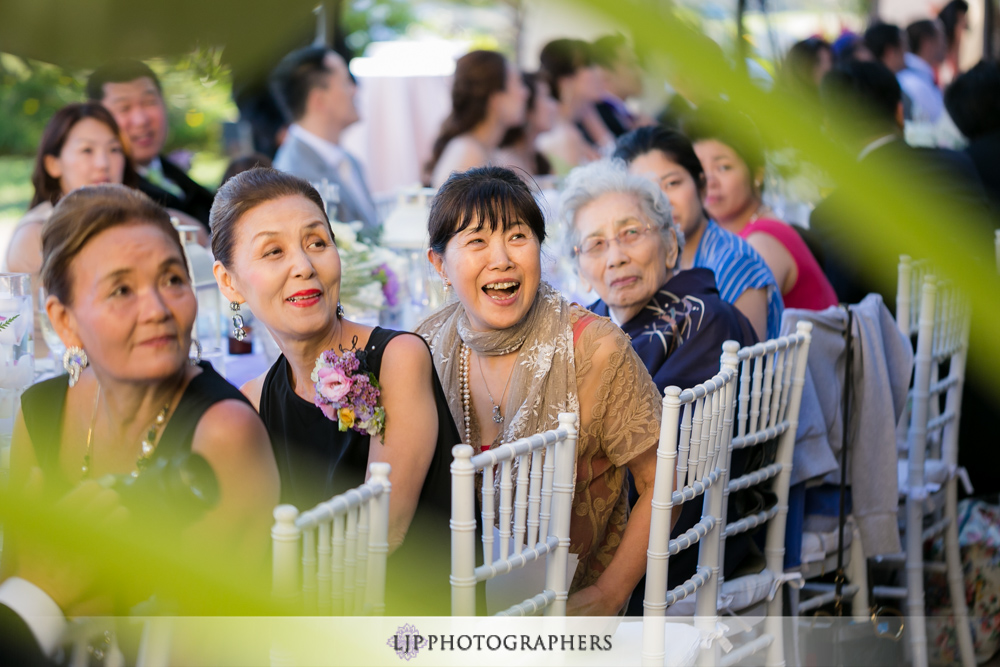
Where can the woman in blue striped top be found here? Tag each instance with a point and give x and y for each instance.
(743, 278)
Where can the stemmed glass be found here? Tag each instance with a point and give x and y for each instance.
(17, 368)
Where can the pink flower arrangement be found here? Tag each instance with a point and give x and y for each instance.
(347, 394)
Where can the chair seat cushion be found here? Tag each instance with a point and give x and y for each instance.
(936, 473)
(736, 594)
(681, 643)
(816, 546)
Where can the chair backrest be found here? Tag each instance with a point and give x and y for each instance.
(344, 547)
(691, 460)
(772, 374)
(942, 317)
(535, 509)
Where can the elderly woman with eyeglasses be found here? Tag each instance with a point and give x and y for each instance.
(626, 248)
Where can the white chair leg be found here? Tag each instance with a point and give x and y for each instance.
(915, 610)
(857, 573)
(956, 578)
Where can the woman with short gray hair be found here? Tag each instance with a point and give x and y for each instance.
(626, 246)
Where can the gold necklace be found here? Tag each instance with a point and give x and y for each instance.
(147, 447)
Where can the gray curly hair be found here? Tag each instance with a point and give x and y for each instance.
(587, 183)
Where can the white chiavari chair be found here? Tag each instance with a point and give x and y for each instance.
(340, 568)
(939, 316)
(772, 374)
(534, 509)
(693, 456)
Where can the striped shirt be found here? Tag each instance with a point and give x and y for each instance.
(737, 268)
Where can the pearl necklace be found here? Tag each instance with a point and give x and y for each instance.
(463, 372)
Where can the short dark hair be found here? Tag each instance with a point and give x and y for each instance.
(716, 120)
(246, 191)
(862, 96)
(673, 144)
(120, 71)
(493, 197)
(54, 137)
(973, 100)
(561, 58)
(297, 75)
(920, 31)
(606, 50)
(83, 214)
(949, 17)
(883, 36)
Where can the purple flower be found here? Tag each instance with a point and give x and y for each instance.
(390, 284)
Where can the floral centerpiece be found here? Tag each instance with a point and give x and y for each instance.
(347, 393)
(369, 273)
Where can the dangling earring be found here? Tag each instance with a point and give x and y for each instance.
(340, 311)
(194, 357)
(74, 361)
(239, 333)
(447, 285)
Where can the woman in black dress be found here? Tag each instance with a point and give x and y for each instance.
(275, 251)
(120, 297)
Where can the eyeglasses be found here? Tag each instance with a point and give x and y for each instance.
(596, 246)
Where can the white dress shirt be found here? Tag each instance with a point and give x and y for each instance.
(39, 612)
(917, 81)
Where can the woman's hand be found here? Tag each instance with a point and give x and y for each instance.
(592, 601)
(66, 576)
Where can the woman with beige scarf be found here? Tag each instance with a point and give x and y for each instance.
(512, 354)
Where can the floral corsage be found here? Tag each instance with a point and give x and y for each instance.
(347, 394)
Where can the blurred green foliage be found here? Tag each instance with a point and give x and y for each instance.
(196, 88)
(367, 21)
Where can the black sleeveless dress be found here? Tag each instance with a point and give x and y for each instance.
(317, 461)
(43, 407)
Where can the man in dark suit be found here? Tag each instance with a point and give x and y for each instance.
(973, 101)
(31, 625)
(132, 93)
(865, 106)
(622, 79)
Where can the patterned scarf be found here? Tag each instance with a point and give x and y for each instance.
(543, 383)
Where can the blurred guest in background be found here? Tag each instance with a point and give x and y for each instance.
(245, 163)
(888, 44)
(805, 64)
(517, 148)
(864, 107)
(919, 78)
(81, 146)
(667, 158)
(488, 98)
(973, 101)
(954, 18)
(569, 67)
(622, 79)
(850, 46)
(132, 93)
(732, 153)
(318, 92)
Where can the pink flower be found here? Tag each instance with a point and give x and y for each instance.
(333, 384)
